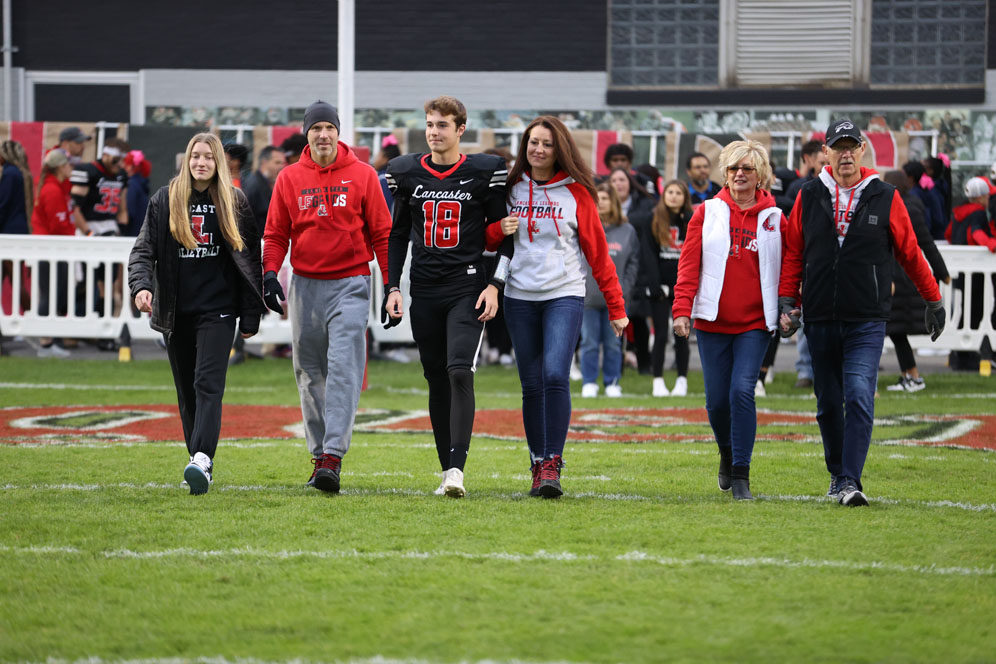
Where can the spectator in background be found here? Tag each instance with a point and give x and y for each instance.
(16, 204)
(16, 197)
(237, 156)
(653, 175)
(258, 187)
(72, 141)
(922, 186)
(597, 333)
(700, 187)
(620, 155)
(388, 150)
(638, 208)
(992, 199)
(137, 168)
(661, 251)
(728, 282)
(906, 316)
(98, 188)
(813, 161)
(52, 216)
(292, 146)
(938, 169)
(970, 223)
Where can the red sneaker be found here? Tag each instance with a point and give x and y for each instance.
(536, 478)
(549, 476)
(327, 473)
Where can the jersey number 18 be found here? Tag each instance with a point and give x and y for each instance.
(442, 223)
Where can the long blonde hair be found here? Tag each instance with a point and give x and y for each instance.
(220, 190)
(12, 152)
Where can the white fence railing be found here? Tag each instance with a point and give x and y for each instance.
(103, 315)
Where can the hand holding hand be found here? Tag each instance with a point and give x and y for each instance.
(789, 319)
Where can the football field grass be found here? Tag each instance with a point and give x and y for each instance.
(104, 557)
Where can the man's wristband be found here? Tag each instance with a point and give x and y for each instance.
(393, 289)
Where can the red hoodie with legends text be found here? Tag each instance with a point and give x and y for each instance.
(334, 218)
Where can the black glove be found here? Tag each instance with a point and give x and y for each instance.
(272, 291)
(385, 317)
(786, 305)
(933, 318)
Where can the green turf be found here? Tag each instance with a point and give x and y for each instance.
(103, 555)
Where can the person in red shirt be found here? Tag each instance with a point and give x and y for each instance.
(728, 282)
(329, 208)
(52, 216)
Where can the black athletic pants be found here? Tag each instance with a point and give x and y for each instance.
(661, 313)
(904, 352)
(198, 351)
(448, 336)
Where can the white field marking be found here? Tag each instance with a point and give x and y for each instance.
(509, 557)
(113, 388)
(491, 494)
(376, 659)
(786, 563)
(41, 421)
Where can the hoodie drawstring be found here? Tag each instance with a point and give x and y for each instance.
(529, 213)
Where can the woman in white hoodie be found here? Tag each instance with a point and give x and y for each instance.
(554, 217)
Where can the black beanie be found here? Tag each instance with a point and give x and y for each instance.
(320, 111)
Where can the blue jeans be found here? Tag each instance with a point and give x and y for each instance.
(544, 335)
(730, 365)
(596, 332)
(845, 374)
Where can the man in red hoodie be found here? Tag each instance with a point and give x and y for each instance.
(844, 227)
(329, 207)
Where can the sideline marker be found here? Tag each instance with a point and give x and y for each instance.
(985, 358)
(124, 344)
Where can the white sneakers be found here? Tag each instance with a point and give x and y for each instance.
(452, 484)
(680, 388)
(53, 350)
(197, 474)
(575, 372)
(613, 391)
(589, 390)
(759, 390)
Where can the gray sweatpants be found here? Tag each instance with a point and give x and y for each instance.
(329, 322)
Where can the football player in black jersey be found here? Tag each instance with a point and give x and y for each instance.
(442, 202)
(98, 191)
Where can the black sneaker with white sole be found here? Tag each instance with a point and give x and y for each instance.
(850, 495)
(835, 483)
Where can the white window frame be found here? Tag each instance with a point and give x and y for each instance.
(134, 80)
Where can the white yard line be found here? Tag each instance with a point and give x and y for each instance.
(511, 557)
(376, 659)
(496, 495)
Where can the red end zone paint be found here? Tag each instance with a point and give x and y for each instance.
(621, 425)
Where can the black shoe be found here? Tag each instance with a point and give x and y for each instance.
(327, 473)
(835, 484)
(535, 490)
(741, 489)
(238, 357)
(314, 471)
(850, 495)
(107, 345)
(549, 486)
(725, 471)
(803, 383)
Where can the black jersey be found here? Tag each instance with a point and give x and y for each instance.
(443, 214)
(103, 199)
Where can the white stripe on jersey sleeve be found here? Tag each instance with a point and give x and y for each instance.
(498, 178)
(392, 184)
(79, 177)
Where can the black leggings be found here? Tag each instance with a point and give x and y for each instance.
(904, 353)
(660, 311)
(198, 351)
